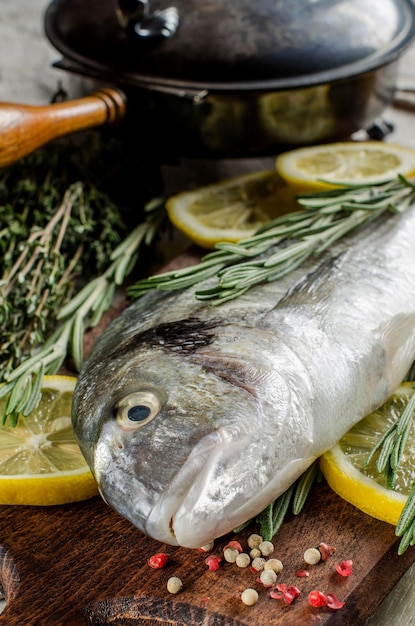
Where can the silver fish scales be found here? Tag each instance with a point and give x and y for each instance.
(194, 418)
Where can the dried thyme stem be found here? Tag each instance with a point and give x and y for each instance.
(84, 310)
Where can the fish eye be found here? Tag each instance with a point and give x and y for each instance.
(136, 409)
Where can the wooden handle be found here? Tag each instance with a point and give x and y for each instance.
(24, 128)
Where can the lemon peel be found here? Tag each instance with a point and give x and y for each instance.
(314, 168)
(344, 465)
(231, 209)
(40, 460)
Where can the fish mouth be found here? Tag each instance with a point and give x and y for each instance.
(208, 497)
(186, 514)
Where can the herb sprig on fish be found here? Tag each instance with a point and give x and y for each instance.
(327, 217)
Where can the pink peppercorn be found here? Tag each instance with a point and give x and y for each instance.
(345, 568)
(159, 560)
(333, 602)
(291, 594)
(234, 545)
(213, 562)
(317, 598)
(326, 551)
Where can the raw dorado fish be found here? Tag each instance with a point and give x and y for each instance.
(194, 418)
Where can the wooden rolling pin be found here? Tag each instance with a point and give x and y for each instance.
(24, 128)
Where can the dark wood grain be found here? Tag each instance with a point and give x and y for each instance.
(82, 564)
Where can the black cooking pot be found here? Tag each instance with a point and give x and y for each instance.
(237, 78)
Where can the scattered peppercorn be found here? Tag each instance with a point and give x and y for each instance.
(235, 545)
(258, 564)
(159, 560)
(266, 548)
(255, 553)
(333, 602)
(275, 565)
(213, 562)
(326, 551)
(302, 573)
(317, 598)
(268, 577)
(254, 540)
(290, 594)
(312, 556)
(282, 592)
(345, 568)
(249, 596)
(230, 555)
(243, 560)
(174, 585)
(207, 547)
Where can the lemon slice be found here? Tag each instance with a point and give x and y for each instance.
(344, 465)
(40, 461)
(232, 209)
(356, 162)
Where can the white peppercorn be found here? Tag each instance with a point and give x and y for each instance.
(243, 560)
(230, 555)
(266, 548)
(249, 596)
(275, 565)
(255, 553)
(254, 540)
(312, 556)
(258, 564)
(268, 577)
(174, 585)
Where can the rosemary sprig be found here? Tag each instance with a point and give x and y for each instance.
(83, 311)
(390, 447)
(286, 242)
(389, 452)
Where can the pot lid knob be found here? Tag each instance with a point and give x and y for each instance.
(135, 16)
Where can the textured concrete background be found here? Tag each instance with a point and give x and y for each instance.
(26, 76)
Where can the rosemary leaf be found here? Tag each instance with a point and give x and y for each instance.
(35, 391)
(407, 516)
(271, 519)
(284, 243)
(303, 486)
(76, 340)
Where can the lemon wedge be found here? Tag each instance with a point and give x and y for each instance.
(232, 209)
(344, 465)
(40, 461)
(355, 162)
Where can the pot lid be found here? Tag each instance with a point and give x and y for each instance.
(230, 45)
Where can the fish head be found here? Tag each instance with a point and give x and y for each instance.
(178, 446)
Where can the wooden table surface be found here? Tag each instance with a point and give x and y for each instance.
(26, 76)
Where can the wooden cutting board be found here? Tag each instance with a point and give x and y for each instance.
(82, 564)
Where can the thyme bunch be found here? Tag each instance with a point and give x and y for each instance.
(286, 242)
(65, 248)
(82, 311)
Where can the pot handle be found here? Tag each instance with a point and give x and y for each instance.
(136, 18)
(24, 128)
